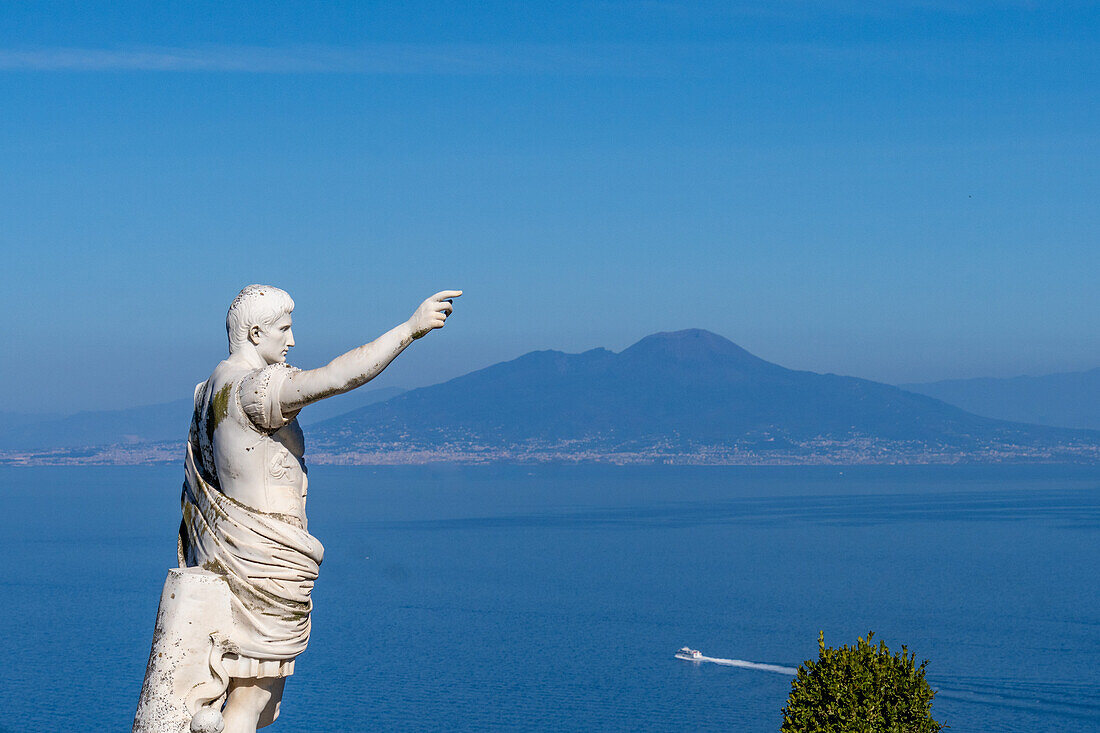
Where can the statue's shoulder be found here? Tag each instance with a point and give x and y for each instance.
(259, 395)
(248, 394)
(219, 393)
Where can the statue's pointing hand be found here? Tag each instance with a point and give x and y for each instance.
(433, 312)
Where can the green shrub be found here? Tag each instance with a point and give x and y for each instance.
(860, 689)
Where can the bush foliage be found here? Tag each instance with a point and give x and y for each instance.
(860, 689)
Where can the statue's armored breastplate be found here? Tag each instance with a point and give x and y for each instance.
(261, 468)
(285, 471)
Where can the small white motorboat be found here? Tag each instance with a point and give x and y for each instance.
(689, 655)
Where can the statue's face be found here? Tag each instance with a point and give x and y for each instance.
(272, 342)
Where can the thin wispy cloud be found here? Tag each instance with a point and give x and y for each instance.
(431, 59)
(457, 59)
(734, 59)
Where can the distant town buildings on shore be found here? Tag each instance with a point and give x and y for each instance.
(855, 451)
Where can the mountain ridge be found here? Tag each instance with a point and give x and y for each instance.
(680, 391)
(1065, 399)
(674, 396)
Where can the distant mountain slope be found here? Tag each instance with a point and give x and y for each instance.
(168, 421)
(1070, 400)
(149, 423)
(21, 420)
(683, 390)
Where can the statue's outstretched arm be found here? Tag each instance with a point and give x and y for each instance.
(359, 366)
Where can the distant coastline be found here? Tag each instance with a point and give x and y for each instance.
(852, 452)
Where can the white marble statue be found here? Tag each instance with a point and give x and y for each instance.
(244, 537)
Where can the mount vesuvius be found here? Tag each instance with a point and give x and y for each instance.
(681, 396)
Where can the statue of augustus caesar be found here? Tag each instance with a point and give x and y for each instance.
(244, 497)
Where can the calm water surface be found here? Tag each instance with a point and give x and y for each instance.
(554, 598)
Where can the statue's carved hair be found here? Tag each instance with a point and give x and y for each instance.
(255, 305)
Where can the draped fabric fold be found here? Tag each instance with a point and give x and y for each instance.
(269, 561)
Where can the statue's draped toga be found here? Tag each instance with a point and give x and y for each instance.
(244, 514)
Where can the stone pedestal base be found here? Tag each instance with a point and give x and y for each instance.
(184, 679)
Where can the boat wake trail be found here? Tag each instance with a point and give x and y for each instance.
(1066, 699)
(750, 665)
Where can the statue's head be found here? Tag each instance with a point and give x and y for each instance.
(260, 316)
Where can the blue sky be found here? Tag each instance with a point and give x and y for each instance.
(903, 191)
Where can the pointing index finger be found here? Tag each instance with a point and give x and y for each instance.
(446, 294)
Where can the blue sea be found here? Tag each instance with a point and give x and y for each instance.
(553, 598)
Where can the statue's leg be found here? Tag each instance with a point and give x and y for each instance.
(271, 709)
(252, 703)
